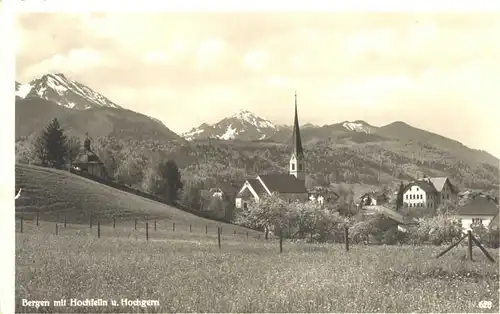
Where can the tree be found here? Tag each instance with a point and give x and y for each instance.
(170, 183)
(269, 212)
(399, 198)
(191, 194)
(132, 167)
(217, 207)
(50, 147)
(72, 149)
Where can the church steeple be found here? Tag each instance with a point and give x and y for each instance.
(297, 162)
(297, 141)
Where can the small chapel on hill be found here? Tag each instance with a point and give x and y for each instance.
(290, 186)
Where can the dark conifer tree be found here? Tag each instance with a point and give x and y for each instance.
(171, 184)
(399, 199)
(51, 146)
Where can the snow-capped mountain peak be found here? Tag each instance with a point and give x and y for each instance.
(243, 125)
(63, 91)
(357, 126)
(247, 116)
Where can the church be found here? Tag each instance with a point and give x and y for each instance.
(290, 186)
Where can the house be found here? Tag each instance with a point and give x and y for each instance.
(322, 195)
(372, 210)
(481, 209)
(376, 198)
(444, 189)
(290, 186)
(428, 192)
(88, 162)
(220, 190)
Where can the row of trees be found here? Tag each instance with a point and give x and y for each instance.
(314, 222)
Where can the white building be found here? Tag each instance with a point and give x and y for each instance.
(429, 192)
(481, 209)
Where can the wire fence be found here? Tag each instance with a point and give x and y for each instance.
(146, 229)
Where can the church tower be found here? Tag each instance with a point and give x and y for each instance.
(297, 162)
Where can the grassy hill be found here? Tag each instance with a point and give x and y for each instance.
(32, 114)
(58, 193)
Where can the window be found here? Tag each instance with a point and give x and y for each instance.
(245, 205)
(293, 166)
(417, 189)
(477, 221)
(406, 196)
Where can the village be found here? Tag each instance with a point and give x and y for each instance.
(421, 197)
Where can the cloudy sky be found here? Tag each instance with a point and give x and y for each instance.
(439, 72)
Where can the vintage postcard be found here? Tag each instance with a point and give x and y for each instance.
(263, 162)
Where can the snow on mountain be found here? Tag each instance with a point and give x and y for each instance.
(243, 125)
(357, 126)
(22, 89)
(249, 117)
(64, 91)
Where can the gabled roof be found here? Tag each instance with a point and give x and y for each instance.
(438, 183)
(283, 183)
(375, 194)
(256, 186)
(424, 185)
(389, 213)
(479, 206)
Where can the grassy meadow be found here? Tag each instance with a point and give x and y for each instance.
(187, 272)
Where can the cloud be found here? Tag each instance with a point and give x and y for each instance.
(174, 64)
(210, 51)
(256, 60)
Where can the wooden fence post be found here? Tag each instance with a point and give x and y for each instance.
(114, 223)
(234, 232)
(247, 235)
(173, 226)
(218, 235)
(206, 229)
(90, 222)
(189, 228)
(135, 224)
(469, 245)
(64, 221)
(37, 217)
(22, 224)
(155, 225)
(488, 256)
(281, 241)
(346, 236)
(98, 229)
(147, 232)
(57, 229)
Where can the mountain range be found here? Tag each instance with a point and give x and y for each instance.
(355, 146)
(80, 109)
